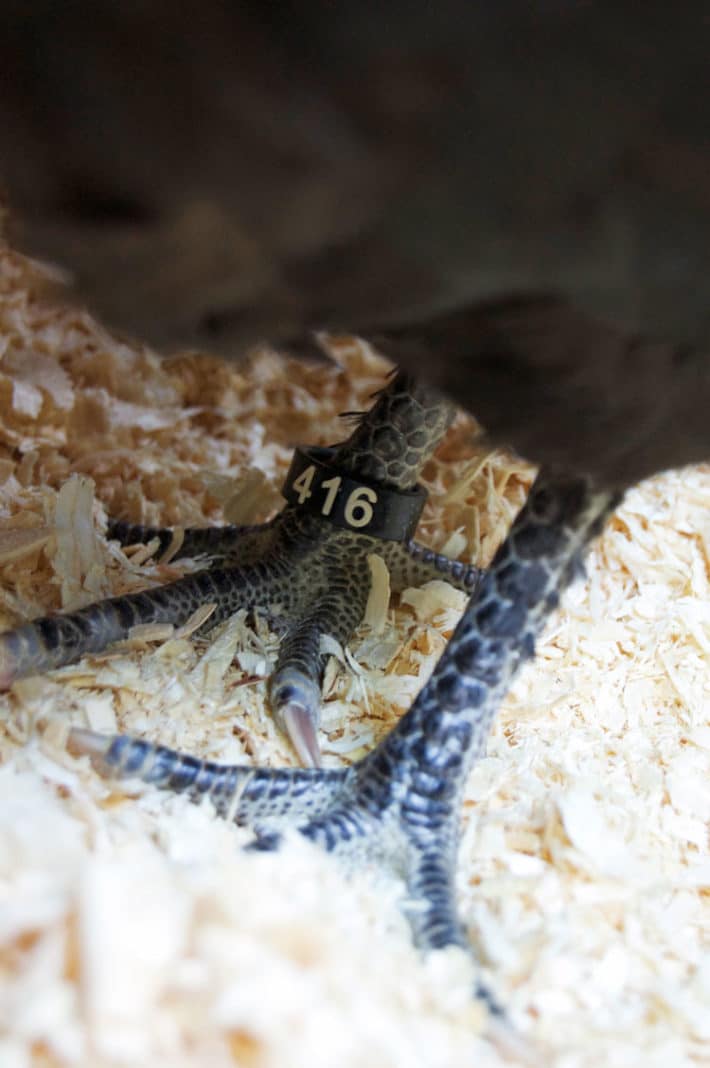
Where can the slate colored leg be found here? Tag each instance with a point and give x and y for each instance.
(401, 804)
(312, 575)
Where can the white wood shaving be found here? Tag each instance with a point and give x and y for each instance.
(178, 537)
(139, 554)
(151, 632)
(133, 929)
(250, 497)
(198, 618)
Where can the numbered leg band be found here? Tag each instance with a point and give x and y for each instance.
(370, 508)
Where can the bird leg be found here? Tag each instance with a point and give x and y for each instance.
(400, 805)
(299, 567)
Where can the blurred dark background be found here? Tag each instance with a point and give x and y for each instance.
(215, 173)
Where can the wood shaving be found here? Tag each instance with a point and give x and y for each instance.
(18, 541)
(134, 930)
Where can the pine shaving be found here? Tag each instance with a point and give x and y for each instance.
(178, 537)
(196, 620)
(19, 541)
(141, 553)
(151, 632)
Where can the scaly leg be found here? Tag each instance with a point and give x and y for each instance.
(314, 576)
(401, 803)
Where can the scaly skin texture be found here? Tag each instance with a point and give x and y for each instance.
(400, 805)
(310, 577)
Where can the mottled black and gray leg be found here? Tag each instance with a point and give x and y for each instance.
(413, 564)
(295, 685)
(55, 641)
(311, 576)
(410, 563)
(401, 804)
(229, 543)
(266, 799)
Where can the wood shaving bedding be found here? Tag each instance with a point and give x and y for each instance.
(133, 930)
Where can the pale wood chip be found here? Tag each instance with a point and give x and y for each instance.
(196, 620)
(19, 541)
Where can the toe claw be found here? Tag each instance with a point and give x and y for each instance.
(301, 730)
(513, 1046)
(82, 742)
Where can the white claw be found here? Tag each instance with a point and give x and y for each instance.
(82, 742)
(299, 726)
(513, 1046)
